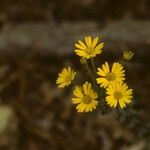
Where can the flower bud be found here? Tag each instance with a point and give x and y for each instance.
(127, 55)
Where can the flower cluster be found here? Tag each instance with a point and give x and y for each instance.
(107, 84)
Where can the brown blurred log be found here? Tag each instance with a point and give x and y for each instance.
(59, 39)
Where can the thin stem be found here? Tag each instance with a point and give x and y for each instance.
(88, 69)
(91, 75)
(93, 66)
(99, 90)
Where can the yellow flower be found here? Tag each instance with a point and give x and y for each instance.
(65, 77)
(108, 77)
(85, 98)
(118, 94)
(127, 55)
(88, 49)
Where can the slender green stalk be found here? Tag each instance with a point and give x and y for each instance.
(88, 69)
(91, 75)
(93, 66)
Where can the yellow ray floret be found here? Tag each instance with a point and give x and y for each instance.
(89, 48)
(118, 94)
(85, 98)
(109, 77)
(65, 78)
(127, 55)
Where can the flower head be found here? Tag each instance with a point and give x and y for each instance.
(85, 98)
(118, 94)
(65, 77)
(88, 49)
(127, 55)
(113, 76)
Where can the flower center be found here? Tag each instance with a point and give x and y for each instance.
(110, 76)
(68, 78)
(118, 95)
(87, 99)
(89, 50)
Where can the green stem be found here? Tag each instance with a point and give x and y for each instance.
(88, 69)
(93, 66)
(92, 76)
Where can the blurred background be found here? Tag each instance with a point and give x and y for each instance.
(37, 40)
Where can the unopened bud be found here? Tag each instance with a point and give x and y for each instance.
(127, 55)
